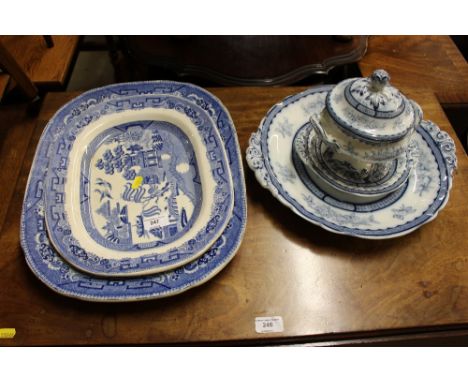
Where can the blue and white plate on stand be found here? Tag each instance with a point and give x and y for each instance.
(270, 155)
(337, 179)
(41, 255)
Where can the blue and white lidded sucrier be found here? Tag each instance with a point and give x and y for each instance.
(367, 123)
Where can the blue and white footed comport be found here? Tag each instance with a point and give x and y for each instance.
(418, 201)
(149, 166)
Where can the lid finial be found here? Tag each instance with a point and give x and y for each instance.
(379, 79)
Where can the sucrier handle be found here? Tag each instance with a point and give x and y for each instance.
(322, 134)
(418, 114)
(379, 79)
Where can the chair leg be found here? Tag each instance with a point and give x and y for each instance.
(49, 42)
(9, 64)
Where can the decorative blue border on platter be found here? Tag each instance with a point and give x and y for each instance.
(57, 222)
(53, 271)
(440, 143)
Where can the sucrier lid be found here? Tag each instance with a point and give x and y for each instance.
(371, 109)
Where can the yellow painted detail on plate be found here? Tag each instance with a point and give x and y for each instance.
(137, 182)
(7, 332)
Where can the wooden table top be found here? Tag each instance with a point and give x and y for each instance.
(4, 81)
(432, 62)
(327, 288)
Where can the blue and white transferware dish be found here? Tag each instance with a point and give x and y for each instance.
(143, 187)
(367, 123)
(417, 202)
(48, 265)
(340, 180)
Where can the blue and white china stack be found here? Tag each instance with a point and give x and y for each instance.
(136, 192)
(358, 147)
(355, 158)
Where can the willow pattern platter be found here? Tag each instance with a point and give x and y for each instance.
(144, 187)
(417, 202)
(57, 274)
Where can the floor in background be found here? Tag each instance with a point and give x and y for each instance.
(92, 69)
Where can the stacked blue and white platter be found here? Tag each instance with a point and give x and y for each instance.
(136, 192)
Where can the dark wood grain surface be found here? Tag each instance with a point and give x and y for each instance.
(326, 287)
(16, 127)
(4, 81)
(431, 62)
(244, 60)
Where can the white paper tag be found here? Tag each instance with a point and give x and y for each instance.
(269, 324)
(155, 222)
